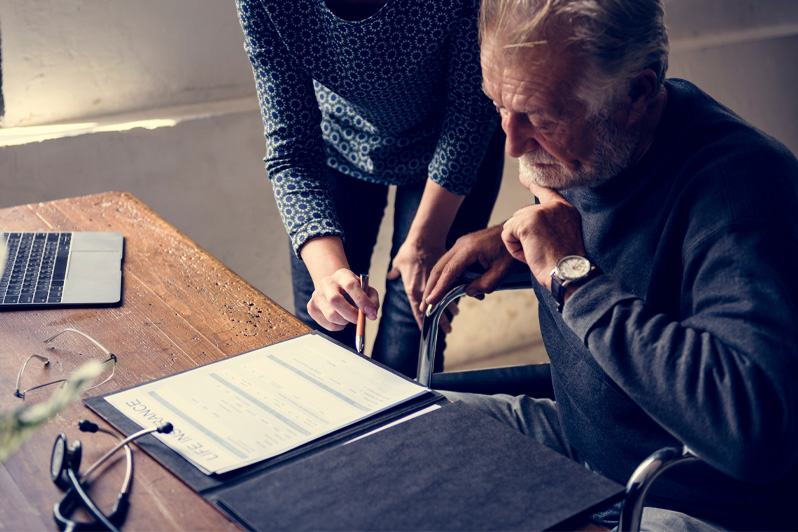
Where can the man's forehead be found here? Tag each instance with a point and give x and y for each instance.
(529, 77)
(503, 78)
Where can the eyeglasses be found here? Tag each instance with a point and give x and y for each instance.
(46, 362)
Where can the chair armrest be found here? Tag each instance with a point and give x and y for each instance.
(429, 326)
(533, 380)
(641, 480)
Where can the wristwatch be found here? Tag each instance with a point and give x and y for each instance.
(570, 270)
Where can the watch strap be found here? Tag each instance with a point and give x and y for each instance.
(559, 285)
(558, 290)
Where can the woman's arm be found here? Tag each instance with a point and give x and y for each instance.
(425, 243)
(295, 164)
(295, 161)
(466, 129)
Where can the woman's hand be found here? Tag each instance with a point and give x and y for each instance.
(424, 245)
(337, 298)
(337, 295)
(413, 263)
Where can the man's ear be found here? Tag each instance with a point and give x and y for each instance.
(642, 91)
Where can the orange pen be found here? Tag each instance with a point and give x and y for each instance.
(360, 333)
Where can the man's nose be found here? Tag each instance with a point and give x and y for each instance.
(520, 134)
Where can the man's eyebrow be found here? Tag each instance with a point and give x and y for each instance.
(532, 112)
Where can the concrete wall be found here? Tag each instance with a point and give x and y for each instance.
(71, 59)
(106, 64)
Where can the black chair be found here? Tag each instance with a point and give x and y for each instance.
(533, 380)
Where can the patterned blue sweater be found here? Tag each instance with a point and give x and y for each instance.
(392, 99)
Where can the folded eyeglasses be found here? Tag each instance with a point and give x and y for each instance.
(111, 360)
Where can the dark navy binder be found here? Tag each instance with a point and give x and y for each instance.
(449, 469)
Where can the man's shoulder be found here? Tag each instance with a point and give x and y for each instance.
(721, 170)
(690, 109)
(701, 128)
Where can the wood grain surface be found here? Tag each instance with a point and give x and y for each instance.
(181, 308)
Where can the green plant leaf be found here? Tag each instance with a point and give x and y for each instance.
(19, 425)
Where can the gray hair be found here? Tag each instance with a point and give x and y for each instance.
(611, 40)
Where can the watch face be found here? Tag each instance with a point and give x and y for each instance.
(573, 267)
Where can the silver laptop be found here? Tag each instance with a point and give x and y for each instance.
(61, 269)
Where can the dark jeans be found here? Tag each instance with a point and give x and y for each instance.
(360, 207)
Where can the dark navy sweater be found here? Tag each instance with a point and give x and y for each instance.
(692, 335)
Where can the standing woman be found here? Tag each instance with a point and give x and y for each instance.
(358, 95)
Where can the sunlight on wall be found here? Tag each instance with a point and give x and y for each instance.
(22, 135)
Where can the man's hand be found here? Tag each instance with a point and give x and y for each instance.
(331, 304)
(413, 264)
(540, 235)
(483, 247)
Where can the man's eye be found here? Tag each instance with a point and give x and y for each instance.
(541, 124)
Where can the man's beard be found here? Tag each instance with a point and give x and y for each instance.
(611, 155)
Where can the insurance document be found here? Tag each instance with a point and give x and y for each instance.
(257, 405)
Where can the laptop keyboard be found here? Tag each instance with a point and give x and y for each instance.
(35, 268)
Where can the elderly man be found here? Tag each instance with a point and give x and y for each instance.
(662, 250)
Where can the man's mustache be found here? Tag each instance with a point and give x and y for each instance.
(538, 157)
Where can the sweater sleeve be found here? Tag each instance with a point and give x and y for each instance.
(295, 159)
(721, 377)
(470, 118)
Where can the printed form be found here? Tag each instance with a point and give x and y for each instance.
(257, 405)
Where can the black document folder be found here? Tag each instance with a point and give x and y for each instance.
(451, 468)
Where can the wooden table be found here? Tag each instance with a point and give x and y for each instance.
(181, 308)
